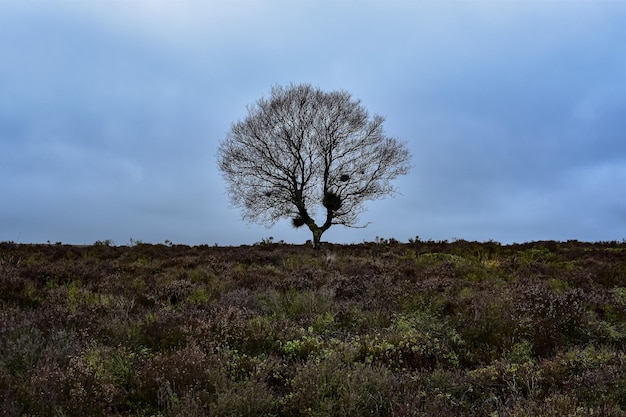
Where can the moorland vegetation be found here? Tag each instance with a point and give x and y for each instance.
(380, 328)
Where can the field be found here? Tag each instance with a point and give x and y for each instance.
(376, 329)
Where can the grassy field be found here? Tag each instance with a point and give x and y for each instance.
(376, 329)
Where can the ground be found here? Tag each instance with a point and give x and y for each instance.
(380, 328)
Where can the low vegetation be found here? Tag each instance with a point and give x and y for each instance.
(381, 329)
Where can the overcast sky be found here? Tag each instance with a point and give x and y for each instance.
(111, 112)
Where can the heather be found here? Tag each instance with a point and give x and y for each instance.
(380, 328)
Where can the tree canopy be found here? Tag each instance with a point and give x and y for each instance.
(303, 151)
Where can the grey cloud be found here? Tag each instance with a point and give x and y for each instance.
(514, 114)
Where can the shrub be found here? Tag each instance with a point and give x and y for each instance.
(488, 326)
(180, 372)
(594, 376)
(89, 389)
(333, 388)
(430, 328)
(549, 319)
(413, 342)
(250, 398)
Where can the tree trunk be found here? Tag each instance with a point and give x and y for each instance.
(317, 236)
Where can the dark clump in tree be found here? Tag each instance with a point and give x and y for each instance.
(305, 145)
(331, 201)
(298, 222)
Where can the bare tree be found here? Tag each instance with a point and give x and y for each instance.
(304, 149)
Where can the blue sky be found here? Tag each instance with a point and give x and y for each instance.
(111, 112)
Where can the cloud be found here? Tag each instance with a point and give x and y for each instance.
(111, 112)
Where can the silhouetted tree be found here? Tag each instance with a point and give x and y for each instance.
(304, 149)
